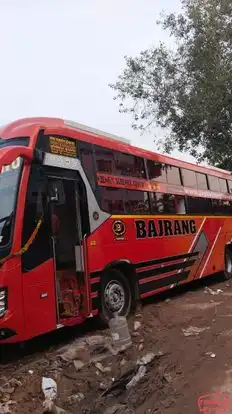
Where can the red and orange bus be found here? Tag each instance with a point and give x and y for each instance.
(89, 224)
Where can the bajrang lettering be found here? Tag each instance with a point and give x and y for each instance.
(160, 228)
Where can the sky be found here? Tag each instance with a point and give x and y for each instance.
(58, 57)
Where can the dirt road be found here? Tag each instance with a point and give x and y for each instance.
(190, 333)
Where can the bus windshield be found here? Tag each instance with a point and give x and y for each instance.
(9, 180)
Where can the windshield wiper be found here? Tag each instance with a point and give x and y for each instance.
(6, 217)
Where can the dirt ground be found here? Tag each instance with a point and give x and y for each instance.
(189, 333)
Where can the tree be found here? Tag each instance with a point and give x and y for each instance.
(187, 90)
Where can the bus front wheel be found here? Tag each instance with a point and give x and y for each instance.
(228, 264)
(115, 294)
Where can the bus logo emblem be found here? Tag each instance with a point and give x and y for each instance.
(119, 229)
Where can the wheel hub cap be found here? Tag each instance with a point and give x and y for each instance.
(114, 296)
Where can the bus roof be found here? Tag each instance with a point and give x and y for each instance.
(25, 126)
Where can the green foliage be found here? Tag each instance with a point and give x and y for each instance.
(187, 90)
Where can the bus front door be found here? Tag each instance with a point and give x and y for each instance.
(66, 241)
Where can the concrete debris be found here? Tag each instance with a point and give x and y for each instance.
(114, 409)
(15, 383)
(99, 353)
(7, 389)
(123, 362)
(58, 410)
(194, 331)
(78, 364)
(95, 340)
(133, 375)
(82, 349)
(102, 369)
(76, 397)
(146, 359)
(5, 408)
(168, 377)
(75, 353)
(30, 372)
(140, 347)
(103, 386)
(137, 325)
(138, 376)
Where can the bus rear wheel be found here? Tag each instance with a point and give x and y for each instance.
(228, 264)
(115, 294)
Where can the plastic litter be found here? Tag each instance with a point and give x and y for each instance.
(49, 388)
(138, 376)
(137, 325)
(194, 330)
(213, 292)
(211, 354)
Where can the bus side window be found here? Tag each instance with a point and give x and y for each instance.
(222, 207)
(36, 202)
(113, 199)
(87, 161)
(229, 183)
(167, 203)
(129, 165)
(104, 159)
(189, 178)
(137, 202)
(214, 183)
(198, 205)
(180, 205)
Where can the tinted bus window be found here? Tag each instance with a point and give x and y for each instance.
(167, 203)
(129, 165)
(229, 182)
(113, 199)
(201, 181)
(116, 200)
(222, 207)
(137, 202)
(213, 183)
(189, 178)
(223, 185)
(157, 171)
(198, 205)
(86, 154)
(104, 160)
(173, 175)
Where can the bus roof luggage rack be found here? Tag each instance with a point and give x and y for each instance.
(94, 131)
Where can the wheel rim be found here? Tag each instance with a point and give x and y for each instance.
(114, 296)
(228, 264)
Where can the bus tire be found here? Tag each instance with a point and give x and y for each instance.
(115, 295)
(228, 264)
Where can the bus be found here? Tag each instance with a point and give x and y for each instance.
(90, 225)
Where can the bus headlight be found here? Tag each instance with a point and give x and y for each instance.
(3, 301)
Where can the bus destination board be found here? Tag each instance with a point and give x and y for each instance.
(63, 146)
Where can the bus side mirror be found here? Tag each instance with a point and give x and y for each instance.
(38, 156)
